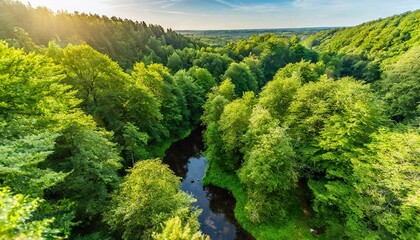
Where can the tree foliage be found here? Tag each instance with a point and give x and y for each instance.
(149, 196)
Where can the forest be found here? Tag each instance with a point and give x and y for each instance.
(316, 138)
(220, 38)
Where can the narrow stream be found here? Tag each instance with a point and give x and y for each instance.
(217, 219)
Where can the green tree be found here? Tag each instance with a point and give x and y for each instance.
(175, 230)
(401, 88)
(233, 124)
(278, 94)
(254, 65)
(242, 77)
(92, 164)
(269, 176)
(17, 218)
(171, 99)
(149, 196)
(330, 119)
(202, 78)
(175, 62)
(215, 63)
(193, 94)
(99, 82)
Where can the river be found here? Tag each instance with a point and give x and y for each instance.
(217, 219)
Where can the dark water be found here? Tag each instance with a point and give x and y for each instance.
(217, 219)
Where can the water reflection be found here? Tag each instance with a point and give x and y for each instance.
(217, 219)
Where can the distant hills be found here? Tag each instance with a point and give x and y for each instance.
(381, 40)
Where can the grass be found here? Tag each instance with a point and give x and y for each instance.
(294, 227)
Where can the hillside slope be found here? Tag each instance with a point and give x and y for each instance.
(124, 40)
(382, 40)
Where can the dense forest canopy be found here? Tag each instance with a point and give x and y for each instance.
(88, 105)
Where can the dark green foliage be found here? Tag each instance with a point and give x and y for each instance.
(124, 40)
(93, 164)
(194, 95)
(401, 88)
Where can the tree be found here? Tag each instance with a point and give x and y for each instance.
(92, 165)
(330, 119)
(193, 94)
(254, 65)
(17, 221)
(400, 87)
(175, 62)
(304, 70)
(242, 77)
(172, 101)
(386, 175)
(202, 78)
(99, 82)
(269, 176)
(278, 94)
(174, 230)
(233, 124)
(149, 196)
(215, 63)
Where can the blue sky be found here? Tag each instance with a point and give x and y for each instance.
(239, 14)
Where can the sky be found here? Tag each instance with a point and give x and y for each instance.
(238, 14)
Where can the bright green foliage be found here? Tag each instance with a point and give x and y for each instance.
(142, 109)
(380, 199)
(269, 176)
(333, 117)
(202, 78)
(172, 102)
(49, 147)
(387, 175)
(16, 221)
(268, 170)
(227, 90)
(213, 109)
(216, 102)
(275, 55)
(382, 39)
(233, 124)
(241, 76)
(99, 82)
(41, 103)
(19, 161)
(260, 122)
(135, 143)
(174, 230)
(278, 94)
(149, 196)
(303, 70)
(401, 86)
(215, 63)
